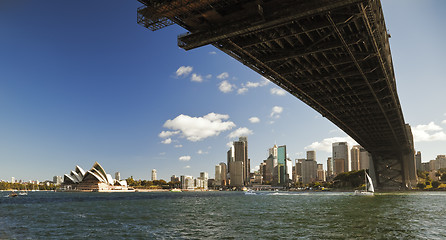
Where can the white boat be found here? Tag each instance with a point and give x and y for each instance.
(24, 193)
(250, 192)
(175, 190)
(369, 189)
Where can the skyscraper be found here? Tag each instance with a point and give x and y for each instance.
(281, 165)
(320, 173)
(239, 153)
(153, 174)
(309, 171)
(418, 161)
(341, 152)
(224, 174)
(329, 167)
(218, 175)
(355, 153)
(364, 158)
(311, 155)
(441, 161)
(118, 176)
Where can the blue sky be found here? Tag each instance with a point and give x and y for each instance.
(82, 82)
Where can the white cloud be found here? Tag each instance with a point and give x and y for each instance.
(276, 111)
(226, 87)
(179, 146)
(264, 82)
(162, 153)
(444, 122)
(229, 144)
(184, 158)
(256, 168)
(428, 133)
(167, 141)
(213, 52)
(254, 120)
(196, 78)
(223, 76)
(278, 91)
(198, 128)
(240, 132)
(165, 134)
(184, 71)
(187, 166)
(326, 144)
(201, 152)
(242, 90)
(208, 76)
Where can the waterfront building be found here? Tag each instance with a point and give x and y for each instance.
(340, 151)
(187, 182)
(154, 175)
(321, 173)
(12, 179)
(257, 178)
(202, 181)
(418, 161)
(95, 179)
(298, 169)
(262, 171)
(241, 154)
(309, 171)
(217, 176)
(174, 178)
(354, 156)
(281, 166)
(57, 180)
(118, 176)
(425, 166)
(220, 174)
(330, 167)
(441, 161)
(433, 165)
(236, 169)
(365, 158)
(339, 165)
(224, 172)
(311, 155)
(289, 169)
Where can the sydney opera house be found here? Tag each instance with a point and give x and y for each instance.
(93, 180)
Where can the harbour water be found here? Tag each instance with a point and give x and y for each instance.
(223, 215)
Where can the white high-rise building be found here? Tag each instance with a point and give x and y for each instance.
(154, 175)
(118, 176)
(204, 177)
(341, 152)
(289, 169)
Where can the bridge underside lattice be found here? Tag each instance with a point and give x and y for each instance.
(334, 55)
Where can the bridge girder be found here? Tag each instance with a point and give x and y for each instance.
(333, 55)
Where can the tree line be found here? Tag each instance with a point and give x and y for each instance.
(155, 184)
(26, 186)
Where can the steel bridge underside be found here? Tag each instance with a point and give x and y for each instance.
(333, 55)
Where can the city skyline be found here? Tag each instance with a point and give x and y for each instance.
(102, 88)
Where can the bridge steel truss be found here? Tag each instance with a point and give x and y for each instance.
(333, 55)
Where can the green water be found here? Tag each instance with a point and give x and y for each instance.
(223, 215)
